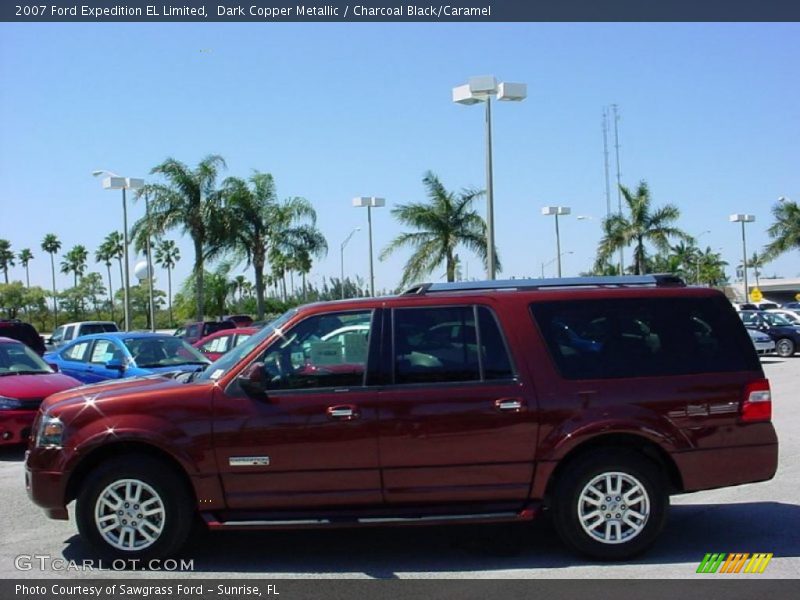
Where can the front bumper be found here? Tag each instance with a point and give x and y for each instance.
(15, 426)
(764, 347)
(46, 487)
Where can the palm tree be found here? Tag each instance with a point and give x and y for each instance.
(25, 256)
(75, 262)
(6, 257)
(105, 254)
(167, 256)
(443, 223)
(711, 267)
(114, 246)
(51, 245)
(645, 224)
(785, 231)
(189, 201)
(264, 229)
(756, 262)
(239, 282)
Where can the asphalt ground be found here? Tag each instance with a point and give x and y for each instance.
(762, 517)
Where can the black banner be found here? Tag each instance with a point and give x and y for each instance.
(398, 10)
(250, 589)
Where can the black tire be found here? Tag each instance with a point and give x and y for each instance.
(630, 467)
(784, 347)
(176, 501)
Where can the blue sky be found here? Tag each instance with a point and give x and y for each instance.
(709, 118)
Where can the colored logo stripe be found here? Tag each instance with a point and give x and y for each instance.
(734, 562)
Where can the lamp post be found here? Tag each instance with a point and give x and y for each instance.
(556, 211)
(557, 258)
(370, 202)
(344, 243)
(743, 218)
(115, 182)
(481, 89)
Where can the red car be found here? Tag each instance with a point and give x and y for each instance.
(592, 400)
(25, 380)
(218, 343)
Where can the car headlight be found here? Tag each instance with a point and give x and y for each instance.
(9, 403)
(50, 433)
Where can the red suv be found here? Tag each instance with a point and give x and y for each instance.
(592, 399)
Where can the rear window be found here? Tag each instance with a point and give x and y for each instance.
(607, 339)
(92, 328)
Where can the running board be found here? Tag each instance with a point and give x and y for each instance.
(526, 514)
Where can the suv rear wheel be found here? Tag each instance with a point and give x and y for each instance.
(610, 505)
(134, 507)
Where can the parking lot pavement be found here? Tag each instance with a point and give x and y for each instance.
(763, 517)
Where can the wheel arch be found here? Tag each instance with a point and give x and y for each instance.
(120, 449)
(625, 441)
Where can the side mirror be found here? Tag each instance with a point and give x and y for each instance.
(53, 366)
(253, 381)
(115, 365)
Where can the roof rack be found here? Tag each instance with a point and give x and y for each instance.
(654, 280)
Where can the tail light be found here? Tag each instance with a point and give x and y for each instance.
(757, 402)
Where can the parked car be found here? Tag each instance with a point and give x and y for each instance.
(239, 320)
(25, 380)
(72, 331)
(791, 305)
(193, 332)
(785, 334)
(790, 315)
(215, 345)
(23, 332)
(762, 342)
(502, 419)
(115, 355)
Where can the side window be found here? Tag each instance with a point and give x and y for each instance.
(328, 350)
(435, 345)
(219, 344)
(243, 336)
(494, 353)
(69, 333)
(104, 351)
(77, 352)
(57, 335)
(607, 339)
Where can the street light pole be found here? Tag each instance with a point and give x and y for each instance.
(743, 218)
(556, 211)
(115, 182)
(344, 243)
(369, 202)
(149, 264)
(481, 89)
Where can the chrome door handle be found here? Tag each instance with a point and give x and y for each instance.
(342, 413)
(508, 404)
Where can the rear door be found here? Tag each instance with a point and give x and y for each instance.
(457, 424)
(312, 442)
(74, 361)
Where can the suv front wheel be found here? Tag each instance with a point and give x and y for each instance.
(610, 505)
(134, 507)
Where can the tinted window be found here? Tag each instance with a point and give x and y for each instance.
(435, 344)
(91, 328)
(320, 352)
(69, 333)
(602, 339)
(77, 351)
(494, 354)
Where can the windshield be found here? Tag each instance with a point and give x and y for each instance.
(18, 359)
(226, 362)
(776, 320)
(162, 351)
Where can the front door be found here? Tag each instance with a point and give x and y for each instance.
(312, 441)
(456, 424)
